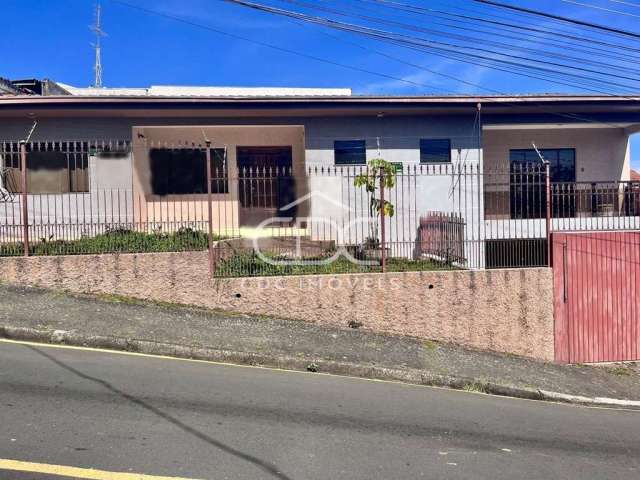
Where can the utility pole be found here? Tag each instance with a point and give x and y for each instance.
(97, 29)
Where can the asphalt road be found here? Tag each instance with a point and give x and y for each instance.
(166, 417)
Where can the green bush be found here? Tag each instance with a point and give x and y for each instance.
(244, 264)
(117, 240)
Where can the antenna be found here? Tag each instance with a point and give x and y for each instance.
(97, 29)
(542, 159)
(33, 127)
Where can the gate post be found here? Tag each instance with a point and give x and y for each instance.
(548, 213)
(25, 210)
(209, 209)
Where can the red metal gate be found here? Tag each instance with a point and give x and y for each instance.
(597, 298)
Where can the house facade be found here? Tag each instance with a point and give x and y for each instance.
(139, 153)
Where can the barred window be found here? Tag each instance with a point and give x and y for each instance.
(52, 167)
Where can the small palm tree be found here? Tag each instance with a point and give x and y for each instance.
(379, 174)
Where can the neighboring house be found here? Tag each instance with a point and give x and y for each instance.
(585, 139)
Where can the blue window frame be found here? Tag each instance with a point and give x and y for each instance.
(435, 150)
(350, 152)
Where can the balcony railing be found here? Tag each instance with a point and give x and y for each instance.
(596, 199)
(527, 199)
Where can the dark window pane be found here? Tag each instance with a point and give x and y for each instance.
(549, 154)
(528, 183)
(184, 171)
(517, 156)
(562, 161)
(177, 171)
(564, 169)
(435, 150)
(524, 157)
(350, 152)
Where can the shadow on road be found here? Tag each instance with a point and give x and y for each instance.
(262, 464)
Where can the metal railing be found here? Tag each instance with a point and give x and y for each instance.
(288, 219)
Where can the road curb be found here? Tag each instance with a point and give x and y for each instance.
(408, 375)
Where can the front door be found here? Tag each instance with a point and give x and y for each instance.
(266, 182)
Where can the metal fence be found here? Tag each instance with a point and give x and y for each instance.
(283, 218)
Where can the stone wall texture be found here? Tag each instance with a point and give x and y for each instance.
(501, 310)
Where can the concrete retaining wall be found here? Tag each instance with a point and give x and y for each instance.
(501, 310)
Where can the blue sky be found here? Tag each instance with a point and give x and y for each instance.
(51, 39)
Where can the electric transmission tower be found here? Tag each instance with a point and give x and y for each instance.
(97, 29)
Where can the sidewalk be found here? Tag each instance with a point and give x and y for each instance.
(33, 314)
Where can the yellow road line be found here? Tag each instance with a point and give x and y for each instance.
(74, 472)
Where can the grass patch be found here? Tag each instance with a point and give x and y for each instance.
(430, 344)
(244, 264)
(116, 241)
(620, 370)
(474, 387)
(115, 298)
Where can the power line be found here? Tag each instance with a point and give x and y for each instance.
(492, 60)
(311, 57)
(417, 66)
(513, 70)
(265, 44)
(626, 3)
(486, 99)
(429, 11)
(519, 17)
(595, 26)
(444, 47)
(634, 79)
(515, 33)
(435, 72)
(282, 49)
(404, 62)
(597, 7)
(475, 40)
(561, 114)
